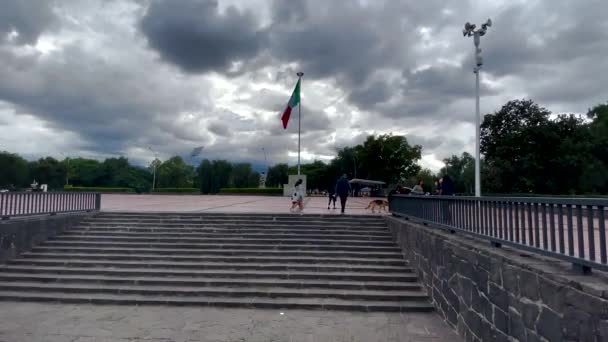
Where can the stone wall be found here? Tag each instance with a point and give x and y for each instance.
(502, 294)
(21, 234)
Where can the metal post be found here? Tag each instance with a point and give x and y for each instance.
(67, 173)
(477, 136)
(154, 174)
(469, 31)
(300, 74)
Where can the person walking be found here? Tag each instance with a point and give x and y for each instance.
(418, 188)
(297, 197)
(342, 190)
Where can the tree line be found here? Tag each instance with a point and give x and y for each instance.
(526, 150)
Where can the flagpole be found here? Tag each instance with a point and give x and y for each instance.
(300, 74)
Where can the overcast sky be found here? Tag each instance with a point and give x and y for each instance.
(111, 78)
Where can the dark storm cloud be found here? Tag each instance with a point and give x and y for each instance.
(196, 37)
(104, 103)
(28, 18)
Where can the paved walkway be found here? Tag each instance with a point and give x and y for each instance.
(25, 322)
(232, 204)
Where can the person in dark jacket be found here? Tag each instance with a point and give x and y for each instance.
(447, 186)
(342, 190)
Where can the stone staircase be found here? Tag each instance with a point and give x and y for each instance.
(230, 260)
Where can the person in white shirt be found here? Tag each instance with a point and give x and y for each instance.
(297, 197)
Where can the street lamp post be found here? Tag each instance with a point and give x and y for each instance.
(67, 171)
(153, 168)
(469, 31)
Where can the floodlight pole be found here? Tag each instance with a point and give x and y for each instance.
(469, 30)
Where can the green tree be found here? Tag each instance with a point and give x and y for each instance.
(389, 158)
(205, 175)
(277, 175)
(174, 173)
(14, 173)
(48, 171)
(526, 151)
(239, 177)
(462, 171)
(85, 172)
(221, 171)
(595, 176)
(254, 180)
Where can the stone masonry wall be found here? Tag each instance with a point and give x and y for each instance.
(21, 234)
(501, 294)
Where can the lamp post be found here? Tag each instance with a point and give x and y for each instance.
(153, 167)
(67, 171)
(469, 31)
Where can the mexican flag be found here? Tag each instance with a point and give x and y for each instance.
(294, 101)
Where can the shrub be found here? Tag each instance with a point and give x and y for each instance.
(96, 189)
(261, 191)
(178, 190)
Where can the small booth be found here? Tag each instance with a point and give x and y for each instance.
(367, 188)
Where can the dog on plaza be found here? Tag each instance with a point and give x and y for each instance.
(378, 203)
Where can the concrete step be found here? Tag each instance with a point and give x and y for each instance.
(177, 282)
(229, 224)
(213, 235)
(231, 240)
(242, 216)
(151, 272)
(262, 303)
(235, 229)
(212, 291)
(278, 253)
(184, 265)
(260, 218)
(203, 246)
(212, 258)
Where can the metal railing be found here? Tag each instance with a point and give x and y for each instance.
(569, 229)
(15, 204)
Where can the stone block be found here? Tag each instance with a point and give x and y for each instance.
(486, 331)
(452, 299)
(496, 271)
(452, 317)
(480, 278)
(510, 279)
(586, 303)
(577, 324)
(500, 337)
(517, 328)
(528, 285)
(530, 313)
(465, 269)
(499, 297)
(602, 330)
(501, 320)
(473, 321)
(531, 336)
(481, 304)
(484, 261)
(465, 289)
(549, 325)
(552, 294)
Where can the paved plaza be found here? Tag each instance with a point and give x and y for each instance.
(222, 203)
(29, 322)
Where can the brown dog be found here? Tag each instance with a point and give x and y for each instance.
(379, 203)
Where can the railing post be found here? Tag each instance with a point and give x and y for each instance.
(97, 201)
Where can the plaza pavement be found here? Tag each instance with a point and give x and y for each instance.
(226, 203)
